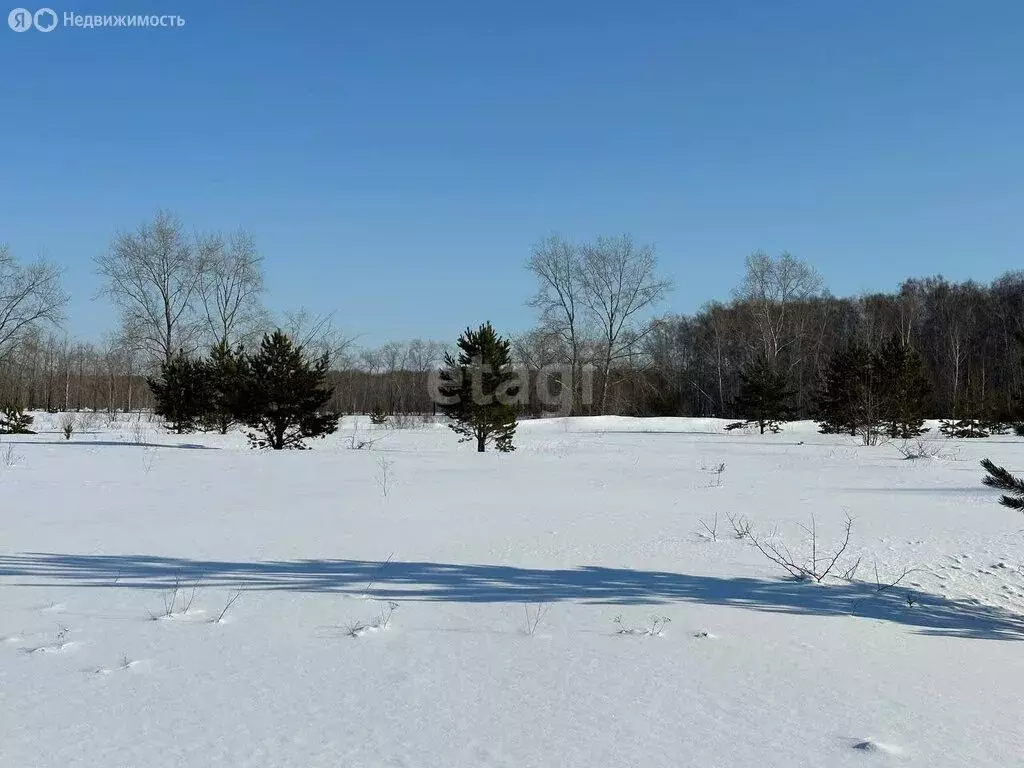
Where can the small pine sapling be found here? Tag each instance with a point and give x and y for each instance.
(479, 390)
(14, 421)
(764, 398)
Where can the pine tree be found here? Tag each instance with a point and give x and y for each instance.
(962, 428)
(764, 396)
(378, 416)
(905, 389)
(284, 398)
(995, 419)
(969, 417)
(181, 392)
(480, 389)
(839, 401)
(1001, 479)
(868, 393)
(14, 421)
(227, 371)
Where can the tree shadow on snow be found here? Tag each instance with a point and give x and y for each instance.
(716, 437)
(451, 582)
(122, 444)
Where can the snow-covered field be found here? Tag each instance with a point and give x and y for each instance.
(386, 597)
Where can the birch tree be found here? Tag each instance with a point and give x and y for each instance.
(771, 287)
(558, 267)
(230, 289)
(153, 277)
(619, 281)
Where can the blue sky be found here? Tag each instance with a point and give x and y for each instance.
(396, 160)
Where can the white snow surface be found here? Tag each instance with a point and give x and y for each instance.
(596, 523)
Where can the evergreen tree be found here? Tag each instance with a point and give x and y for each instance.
(969, 417)
(905, 389)
(228, 372)
(1000, 478)
(868, 393)
(181, 392)
(870, 398)
(764, 396)
(996, 420)
(480, 389)
(14, 421)
(285, 396)
(962, 428)
(839, 402)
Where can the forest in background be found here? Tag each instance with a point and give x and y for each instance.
(600, 314)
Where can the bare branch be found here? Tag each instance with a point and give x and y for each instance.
(779, 553)
(712, 529)
(153, 277)
(618, 282)
(230, 289)
(30, 298)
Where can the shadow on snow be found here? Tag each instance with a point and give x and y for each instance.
(466, 583)
(122, 444)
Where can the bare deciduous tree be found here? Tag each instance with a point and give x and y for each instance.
(230, 289)
(957, 310)
(30, 297)
(771, 287)
(153, 277)
(317, 334)
(423, 355)
(618, 281)
(558, 267)
(121, 365)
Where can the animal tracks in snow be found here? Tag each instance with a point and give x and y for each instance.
(870, 746)
(44, 649)
(992, 578)
(705, 635)
(125, 666)
(62, 642)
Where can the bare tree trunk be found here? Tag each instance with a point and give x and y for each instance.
(230, 289)
(558, 268)
(67, 384)
(618, 281)
(153, 277)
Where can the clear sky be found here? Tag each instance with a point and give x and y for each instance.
(396, 160)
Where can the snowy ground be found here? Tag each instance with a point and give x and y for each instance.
(590, 521)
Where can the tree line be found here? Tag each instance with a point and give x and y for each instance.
(595, 305)
(967, 336)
